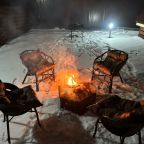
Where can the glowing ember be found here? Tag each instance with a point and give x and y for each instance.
(71, 81)
(123, 115)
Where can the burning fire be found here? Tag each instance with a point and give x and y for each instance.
(71, 81)
(67, 78)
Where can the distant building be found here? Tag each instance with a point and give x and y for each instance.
(15, 18)
(140, 23)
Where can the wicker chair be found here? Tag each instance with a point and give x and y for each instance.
(38, 64)
(121, 117)
(21, 101)
(109, 64)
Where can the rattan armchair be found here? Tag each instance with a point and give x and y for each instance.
(21, 101)
(38, 64)
(109, 64)
(121, 117)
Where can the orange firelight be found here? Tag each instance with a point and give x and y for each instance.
(71, 81)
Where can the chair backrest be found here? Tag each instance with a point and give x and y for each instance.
(35, 59)
(117, 59)
(27, 96)
(117, 55)
(33, 56)
(18, 100)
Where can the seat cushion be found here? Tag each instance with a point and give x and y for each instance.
(108, 66)
(103, 67)
(45, 69)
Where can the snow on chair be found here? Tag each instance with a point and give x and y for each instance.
(109, 64)
(38, 64)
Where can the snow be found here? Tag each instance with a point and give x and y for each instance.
(61, 126)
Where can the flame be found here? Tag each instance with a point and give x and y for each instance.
(71, 81)
(67, 78)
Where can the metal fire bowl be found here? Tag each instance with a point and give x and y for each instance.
(83, 98)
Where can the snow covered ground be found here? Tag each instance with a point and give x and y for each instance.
(61, 126)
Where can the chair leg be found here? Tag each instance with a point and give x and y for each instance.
(96, 126)
(92, 78)
(24, 78)
(37, 84)
(139, 134)
(4, 118)
(37, 117)
(111, 83)
(53, 73)
(120, 78)
(8, 130)
(122, 140)
(42, 77)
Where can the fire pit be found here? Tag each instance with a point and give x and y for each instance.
(76, 97)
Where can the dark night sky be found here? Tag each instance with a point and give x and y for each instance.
(130, 4)
(124, 12)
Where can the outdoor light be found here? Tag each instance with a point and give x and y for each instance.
(111, 25)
